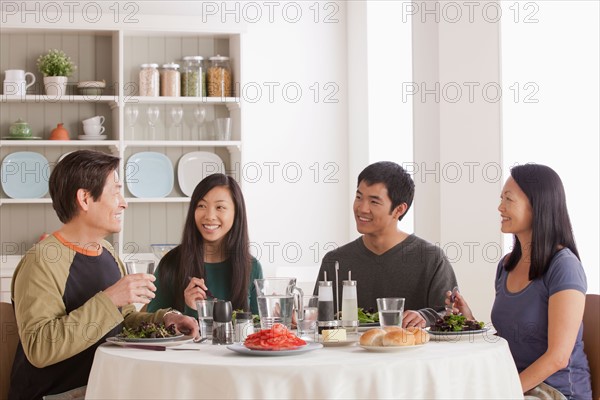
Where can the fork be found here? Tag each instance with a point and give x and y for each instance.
(450, 307)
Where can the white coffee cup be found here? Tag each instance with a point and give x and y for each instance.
(93, 129)
(15, 82)
(97, 120)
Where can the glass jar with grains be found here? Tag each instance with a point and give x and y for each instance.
(149, 80)
(170, 80)
(219, 78)
(193, 77)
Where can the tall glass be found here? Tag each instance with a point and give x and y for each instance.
(205, 317)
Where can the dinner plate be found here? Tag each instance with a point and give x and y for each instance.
(25, 175)
(195, 166)
(149, 174)
(390, 349)
(351, 339)
(459, 336)
(240, 348)
(339, 343)
(166, 342)
(90, 137)
(459, 333)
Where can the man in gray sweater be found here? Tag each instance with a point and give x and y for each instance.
(385, 261)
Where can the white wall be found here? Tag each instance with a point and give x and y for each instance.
(550, 110)
(294, 162)
(457, 142)
(380, 125)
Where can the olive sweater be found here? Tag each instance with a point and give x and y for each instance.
(63, 315)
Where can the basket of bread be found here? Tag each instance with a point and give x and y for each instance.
(393, 338)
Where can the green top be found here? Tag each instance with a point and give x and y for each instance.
(218, 280)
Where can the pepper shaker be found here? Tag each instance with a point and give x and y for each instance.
(222, 326)
(325, 306)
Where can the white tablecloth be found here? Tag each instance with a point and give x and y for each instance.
(481, 368)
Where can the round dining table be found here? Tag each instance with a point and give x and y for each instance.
(471, 367)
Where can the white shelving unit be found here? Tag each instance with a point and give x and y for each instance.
(113, 55)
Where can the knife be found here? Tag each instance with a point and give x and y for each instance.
(154, 347)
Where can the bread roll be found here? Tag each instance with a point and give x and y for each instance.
(392, 328)
(372, 337)
(421, 335)
(399, 338)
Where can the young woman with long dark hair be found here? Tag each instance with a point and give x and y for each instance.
(214, 253)
(540, 287)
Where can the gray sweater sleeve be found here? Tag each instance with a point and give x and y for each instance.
(442, 281)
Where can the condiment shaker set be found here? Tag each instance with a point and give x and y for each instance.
(222, 328)
(326, 315)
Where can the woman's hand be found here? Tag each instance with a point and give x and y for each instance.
(195, 290)
(460, 304)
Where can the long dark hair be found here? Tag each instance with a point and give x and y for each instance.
(191, 250)
(551, 225)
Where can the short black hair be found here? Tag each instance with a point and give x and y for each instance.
(399, 184)
(81, 169)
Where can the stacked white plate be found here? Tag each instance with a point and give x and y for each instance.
(195, 166)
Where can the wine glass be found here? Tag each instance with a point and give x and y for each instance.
(199, 116)
(152, 114)
(131, 115)
(176, 115)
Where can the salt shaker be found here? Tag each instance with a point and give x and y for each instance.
(222, 326)
(349, 306)
(243, 326)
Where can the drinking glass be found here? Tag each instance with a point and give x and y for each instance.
(176, 115)
(223, 128)
(199, 117)
(205, 317)
(131, 115)
(152, 114)
(390, 311)
(307, 327)
(140, 267)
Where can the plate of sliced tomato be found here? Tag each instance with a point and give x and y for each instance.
(273, 342)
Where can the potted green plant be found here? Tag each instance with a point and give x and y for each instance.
(56, 67)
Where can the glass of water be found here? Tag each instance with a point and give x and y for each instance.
(307, 327)
(205, 317)
(390, 311)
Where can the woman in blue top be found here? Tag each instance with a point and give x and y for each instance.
(214, 254)
(540, 286)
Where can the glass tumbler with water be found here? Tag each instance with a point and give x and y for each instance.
(275, 298)
(390, 311)
(205, 317)
(307, 327)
